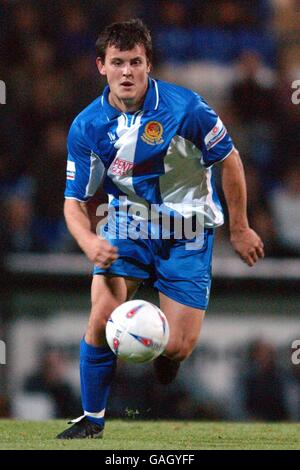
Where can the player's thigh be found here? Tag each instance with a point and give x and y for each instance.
(107, 293)
(185, 325)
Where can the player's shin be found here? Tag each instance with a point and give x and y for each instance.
(97, 370)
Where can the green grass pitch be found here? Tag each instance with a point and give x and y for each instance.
(151, 435)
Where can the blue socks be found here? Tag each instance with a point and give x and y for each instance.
(97, 370)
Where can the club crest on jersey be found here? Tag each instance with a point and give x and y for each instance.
(153, 133)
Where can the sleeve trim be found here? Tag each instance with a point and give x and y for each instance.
(222, 159)
(76, 198)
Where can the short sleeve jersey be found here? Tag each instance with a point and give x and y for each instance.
(162, 154)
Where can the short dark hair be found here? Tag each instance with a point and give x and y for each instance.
(125, 36)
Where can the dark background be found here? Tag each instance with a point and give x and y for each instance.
(243, 57)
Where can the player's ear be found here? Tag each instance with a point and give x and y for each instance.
(100, 66)
(149, 66)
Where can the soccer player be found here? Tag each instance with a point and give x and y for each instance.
(147, 142)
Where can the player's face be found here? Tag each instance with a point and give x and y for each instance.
(127, 76)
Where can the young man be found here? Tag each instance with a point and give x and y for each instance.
(148, 143)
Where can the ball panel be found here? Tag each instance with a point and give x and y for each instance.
(137, 331)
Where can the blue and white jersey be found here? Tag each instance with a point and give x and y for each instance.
(162, 154)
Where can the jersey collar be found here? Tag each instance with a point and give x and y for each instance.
(150, 104)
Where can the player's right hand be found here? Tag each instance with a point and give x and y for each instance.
(100, 252)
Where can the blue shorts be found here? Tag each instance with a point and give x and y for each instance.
(182, 274)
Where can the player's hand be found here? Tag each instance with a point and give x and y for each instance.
(248, 245)
(100, 252)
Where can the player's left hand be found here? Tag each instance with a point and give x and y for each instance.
(248, 245)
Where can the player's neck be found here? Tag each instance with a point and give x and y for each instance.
(125, 106)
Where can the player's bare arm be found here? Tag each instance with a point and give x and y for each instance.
(99, 251)
(245, 241)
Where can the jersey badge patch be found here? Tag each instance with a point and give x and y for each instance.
(71, 170)
(215, 136)
(153, 133)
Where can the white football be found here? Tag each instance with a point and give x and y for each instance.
(137, 331)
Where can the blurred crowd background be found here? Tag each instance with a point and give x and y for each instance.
(243, 57)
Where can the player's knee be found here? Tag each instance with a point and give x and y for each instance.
(102, 309)
(190, 345)
(100, 313)
(176, 352)
(179, 351)
(98, 318)
(183, 354)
